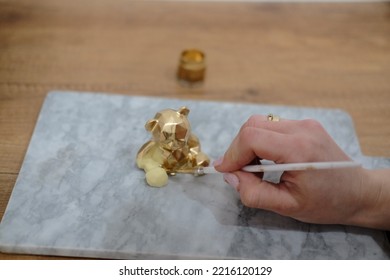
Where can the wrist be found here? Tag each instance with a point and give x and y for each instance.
(373, 209)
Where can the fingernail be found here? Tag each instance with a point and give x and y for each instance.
(218, 161)
(232, 180)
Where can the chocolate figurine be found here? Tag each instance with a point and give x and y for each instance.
(172, 148)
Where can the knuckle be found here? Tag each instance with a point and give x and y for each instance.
(312, 125)
(253, 120)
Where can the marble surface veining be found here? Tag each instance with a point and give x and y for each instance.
(79, 192)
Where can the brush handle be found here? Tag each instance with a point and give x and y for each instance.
(287, 167)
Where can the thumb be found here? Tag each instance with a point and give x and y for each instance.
(257, 193)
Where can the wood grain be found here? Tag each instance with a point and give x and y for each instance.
(302, 54)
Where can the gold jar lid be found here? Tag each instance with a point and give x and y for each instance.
(192, 66)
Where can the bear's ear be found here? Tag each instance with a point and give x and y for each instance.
(151, 124)
(184, 111)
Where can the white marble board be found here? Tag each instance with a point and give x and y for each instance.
(80, 194)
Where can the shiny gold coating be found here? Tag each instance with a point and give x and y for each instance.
(273, 118)
(173, 146)
(192, 66)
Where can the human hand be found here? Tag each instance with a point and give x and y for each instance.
(337, 196)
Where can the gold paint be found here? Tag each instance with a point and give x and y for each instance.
(173, 148)
(192, 66)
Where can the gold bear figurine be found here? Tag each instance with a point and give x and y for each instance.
(172, 148)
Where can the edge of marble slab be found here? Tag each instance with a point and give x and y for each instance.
(100, 254)
(112, 254)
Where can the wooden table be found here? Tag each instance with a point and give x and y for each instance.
(317, 55)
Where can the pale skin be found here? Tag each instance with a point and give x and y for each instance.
(351, 196)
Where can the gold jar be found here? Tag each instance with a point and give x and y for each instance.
(192, 66)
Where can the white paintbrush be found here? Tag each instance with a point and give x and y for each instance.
(279, 167)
